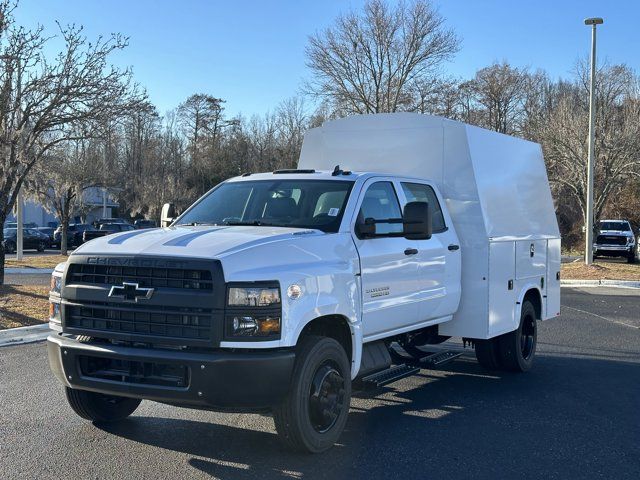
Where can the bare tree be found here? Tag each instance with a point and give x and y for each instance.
(501, 91)
(60, 182)
(564, 131)
(367, 62)
(43, 102)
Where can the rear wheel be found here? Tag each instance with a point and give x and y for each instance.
(314, 414)
(488, 353)
(518, 348)
(100, 408)
(41, 246)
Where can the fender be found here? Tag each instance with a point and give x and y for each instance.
(332, 309)
(523, 291)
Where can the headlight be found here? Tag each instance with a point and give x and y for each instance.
(253, 296)
(56, 283)
(253, 312)
(630, 240)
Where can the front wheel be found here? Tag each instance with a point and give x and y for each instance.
(314, 414)
(100, 408)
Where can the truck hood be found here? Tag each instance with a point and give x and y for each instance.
(195, 242)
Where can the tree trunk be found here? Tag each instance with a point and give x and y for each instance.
(64, 223)
(2, 255)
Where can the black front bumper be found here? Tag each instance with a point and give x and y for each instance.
(223, 380)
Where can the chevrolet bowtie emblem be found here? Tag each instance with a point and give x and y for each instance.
(130, 292)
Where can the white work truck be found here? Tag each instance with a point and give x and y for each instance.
(275, 291)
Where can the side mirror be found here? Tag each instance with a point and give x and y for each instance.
(168, 214)
(417, 221)
(365, 228)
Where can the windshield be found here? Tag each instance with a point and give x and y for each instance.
(618, 226)
(315, 204)
(9, 232)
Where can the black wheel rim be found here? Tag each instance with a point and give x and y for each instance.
(326, 397)
(528, 337)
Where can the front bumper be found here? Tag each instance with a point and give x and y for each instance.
(614, 249)
(224, 380)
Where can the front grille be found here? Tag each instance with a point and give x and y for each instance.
(134, 372)
(157, 321)
(147, 277)
(611, 240)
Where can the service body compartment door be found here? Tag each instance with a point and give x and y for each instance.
(553, 278)
(502, 294)
(531, 259)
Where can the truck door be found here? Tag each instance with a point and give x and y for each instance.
(439, 257)
(389, 271)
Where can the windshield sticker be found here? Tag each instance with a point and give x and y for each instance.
(333, 212)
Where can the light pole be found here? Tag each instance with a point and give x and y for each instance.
(588, 254)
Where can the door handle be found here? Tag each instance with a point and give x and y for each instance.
(410, 251)
(453, 247)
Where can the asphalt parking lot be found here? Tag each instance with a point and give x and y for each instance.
(575, 415)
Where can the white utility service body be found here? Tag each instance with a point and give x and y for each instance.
(496, 191)
(494, 247)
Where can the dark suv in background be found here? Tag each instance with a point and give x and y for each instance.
(74, 234)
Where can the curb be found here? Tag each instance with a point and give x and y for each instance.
(28, 271)
(20, 335)
(600, 283)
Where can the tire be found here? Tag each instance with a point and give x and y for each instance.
(314, 414)
(100, 408)
(518, 348)
(9, 247)
(488, 353)
(41, 247)
(631, 258)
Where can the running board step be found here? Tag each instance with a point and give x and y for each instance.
(389, 375)
(440, 358)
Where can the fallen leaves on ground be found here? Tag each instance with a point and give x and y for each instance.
(23, 305)
(614, 270)
(36, 261)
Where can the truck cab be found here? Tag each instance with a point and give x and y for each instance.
(275, 291)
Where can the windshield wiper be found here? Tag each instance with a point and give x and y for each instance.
(254, 223)
(196, 224)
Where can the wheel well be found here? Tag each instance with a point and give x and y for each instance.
(332, 326)
(533, 296)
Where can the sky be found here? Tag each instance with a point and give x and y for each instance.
(251, 53)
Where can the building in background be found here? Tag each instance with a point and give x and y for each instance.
(92, 199)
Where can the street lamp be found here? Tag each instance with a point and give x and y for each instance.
(588, 254)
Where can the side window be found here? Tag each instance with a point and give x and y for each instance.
(418, 192)
(381, 203)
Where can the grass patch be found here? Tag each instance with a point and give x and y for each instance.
(23, 305)
(36, 261)
(601, 271)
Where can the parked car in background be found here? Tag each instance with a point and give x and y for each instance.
(74, 234)
(141, 224)
(106, 229)
(104, 221)
(25, 225)
(48, 231)
(32, 240)
(615, 239)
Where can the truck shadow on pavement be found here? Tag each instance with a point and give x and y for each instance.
(555, 420)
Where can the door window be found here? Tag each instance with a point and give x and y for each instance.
(419, 192)
(380, 203)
